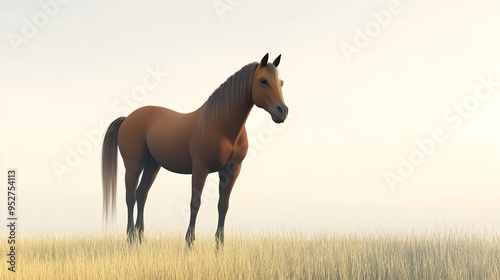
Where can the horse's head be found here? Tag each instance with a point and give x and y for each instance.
(266, 89)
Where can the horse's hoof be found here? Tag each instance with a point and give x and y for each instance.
(190, 238)
(219, 246)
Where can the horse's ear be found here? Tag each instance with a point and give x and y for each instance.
(263, 62)
(276, 62)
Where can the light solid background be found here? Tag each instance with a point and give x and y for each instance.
(352, 117)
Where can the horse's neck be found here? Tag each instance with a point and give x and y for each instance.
(240, 120)
(230, 125)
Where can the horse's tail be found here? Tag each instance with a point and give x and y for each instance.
(108, 170)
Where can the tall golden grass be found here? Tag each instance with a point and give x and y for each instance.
(448, 255)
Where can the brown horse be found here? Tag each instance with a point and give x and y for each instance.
(210, 139)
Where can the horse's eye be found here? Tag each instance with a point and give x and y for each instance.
(263, 81)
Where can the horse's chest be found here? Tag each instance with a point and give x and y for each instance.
(217, 155)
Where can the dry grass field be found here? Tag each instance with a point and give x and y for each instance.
(277, 256)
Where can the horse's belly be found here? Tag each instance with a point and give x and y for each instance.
(170, 150)
(183, 168)
(172, 157)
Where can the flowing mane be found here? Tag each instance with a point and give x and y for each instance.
(232, 91)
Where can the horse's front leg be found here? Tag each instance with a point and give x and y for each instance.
(200, 173)
(227, 177)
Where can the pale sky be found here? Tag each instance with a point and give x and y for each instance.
(394, 110)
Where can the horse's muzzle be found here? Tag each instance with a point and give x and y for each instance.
(279, 113)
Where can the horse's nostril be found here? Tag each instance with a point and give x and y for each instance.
(280, 110)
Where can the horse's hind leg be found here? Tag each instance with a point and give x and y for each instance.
(151, 169)
(132, 173)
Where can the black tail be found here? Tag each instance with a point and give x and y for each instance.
(108, 169)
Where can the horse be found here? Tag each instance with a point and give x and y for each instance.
(210, 139)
